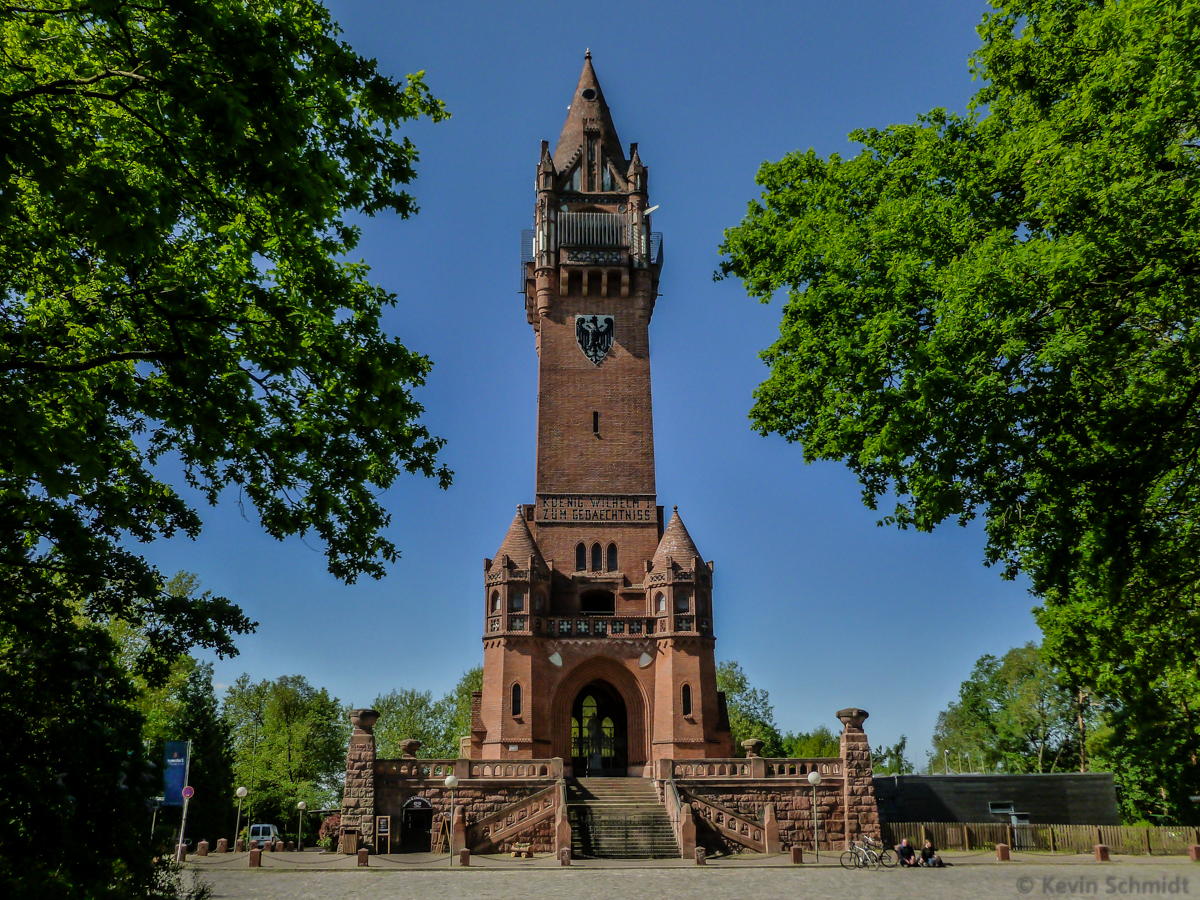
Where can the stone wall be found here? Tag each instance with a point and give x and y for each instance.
(358, 801)
(477, 798)
(793, 809)
(862, 814)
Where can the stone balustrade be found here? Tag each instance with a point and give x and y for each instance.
(490, 832)
(438, 769)
(749, 767)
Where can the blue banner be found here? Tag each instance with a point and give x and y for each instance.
(174, 772)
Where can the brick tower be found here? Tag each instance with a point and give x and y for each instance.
(598, 638)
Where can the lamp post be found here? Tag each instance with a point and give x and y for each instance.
(241, 795)
(300, 825)
(451, 783)
(946, 759)
(814, 778)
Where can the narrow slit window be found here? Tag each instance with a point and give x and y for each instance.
(516, 699)
(686, 700)
(580, 557)
(595, 423)
(612, 557)
(597, 559)
(495, 601)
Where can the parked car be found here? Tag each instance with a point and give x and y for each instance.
(262, 833)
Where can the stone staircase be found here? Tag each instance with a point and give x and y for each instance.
(618, 818)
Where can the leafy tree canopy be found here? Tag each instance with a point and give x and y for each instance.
(998, 314)
(175, 188)
(437, 724)
(289, 744)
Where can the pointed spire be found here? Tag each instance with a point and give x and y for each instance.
(588, 113)
(519, 545)
(676, 544)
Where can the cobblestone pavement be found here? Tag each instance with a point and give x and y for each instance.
(972, 876)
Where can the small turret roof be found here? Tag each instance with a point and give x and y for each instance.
(588, 109)
(519, 544)
(676, 544)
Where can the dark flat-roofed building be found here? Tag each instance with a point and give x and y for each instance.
(1048, 799)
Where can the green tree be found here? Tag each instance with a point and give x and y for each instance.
(437, 724)
(1013, 714)
(998, 314)
(750, 712)
(211, 811)
(175, 185)
(820, 742)
(891, 760)
(289, 744)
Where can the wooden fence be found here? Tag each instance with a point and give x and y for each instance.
(1158, 841)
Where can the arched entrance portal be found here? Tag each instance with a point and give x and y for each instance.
(416, 825)
(599, 732)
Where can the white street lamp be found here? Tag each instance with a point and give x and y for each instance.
(300, 825)
(241, 795)
(451, 783)
(814, 778)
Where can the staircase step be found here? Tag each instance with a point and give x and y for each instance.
(619, 818)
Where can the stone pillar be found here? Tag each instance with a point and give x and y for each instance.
(358, 803)
(858, 795)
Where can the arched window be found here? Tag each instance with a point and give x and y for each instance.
(597, 558)
(495, 601)
(686, 698)
(681, 602)
(580, 557)
(516, 601)
(660, 603)
(612, 557)
(516, 699)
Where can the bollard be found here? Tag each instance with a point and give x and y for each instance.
(1002, 854)
(797, 855)
(222, 845)
(180, 853)
(362, 856)
(291, 848)
(1102, 853)
(564, 856)
(464, 857)
(239, 846)
(202, 848)
(1194, 852)
(279, 846)
(701, 857)
(255, 858)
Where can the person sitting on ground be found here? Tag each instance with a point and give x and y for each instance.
(929, 857)
(906, 854)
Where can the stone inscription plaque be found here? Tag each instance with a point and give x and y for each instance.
(595, 508)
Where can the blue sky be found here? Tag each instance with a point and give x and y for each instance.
(823, 608)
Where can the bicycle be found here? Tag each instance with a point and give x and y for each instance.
(859, 857)
(887, 858)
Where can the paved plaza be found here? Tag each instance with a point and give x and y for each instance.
(972, 876)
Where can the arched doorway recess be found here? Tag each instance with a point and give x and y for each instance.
(599, 732)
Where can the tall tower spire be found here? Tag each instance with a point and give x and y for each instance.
(588, 116)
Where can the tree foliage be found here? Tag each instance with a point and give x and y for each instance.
(289, 744)
(176, 184)
(437, 724)
(998, 314)
(1015, 714)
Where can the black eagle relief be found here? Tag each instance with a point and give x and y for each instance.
(595, 336)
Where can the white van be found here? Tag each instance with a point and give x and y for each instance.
(262, 833)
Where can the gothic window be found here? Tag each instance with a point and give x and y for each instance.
(516, 699)
(686, 698)
(576, 738)
(580, 557)
(609, 181)
(574, 185)
(660, 603)
(681, 603)
(591, 163)
(597, 559)
(612, 557)
(537, 603)
(495, 601)
(516, 601)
